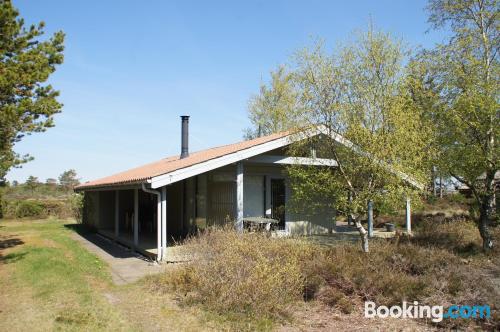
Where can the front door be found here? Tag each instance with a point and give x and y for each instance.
(278, 201)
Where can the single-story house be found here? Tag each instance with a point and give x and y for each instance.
(153, 205)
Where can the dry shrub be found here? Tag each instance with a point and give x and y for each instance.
(459, 236)
(387, 275)
(244, 273)
(254, 275)
(335, 298)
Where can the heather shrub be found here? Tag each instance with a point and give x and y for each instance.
(456, 235)
(257, 276)
(245, 273)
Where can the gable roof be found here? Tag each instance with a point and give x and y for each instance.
(170, 164)
(174, 169)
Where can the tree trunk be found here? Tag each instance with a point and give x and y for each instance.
(440, 187)
(487, 213)
(362, 233)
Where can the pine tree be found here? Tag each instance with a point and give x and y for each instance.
(27, 102)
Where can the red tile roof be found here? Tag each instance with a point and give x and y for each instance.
(170, 164)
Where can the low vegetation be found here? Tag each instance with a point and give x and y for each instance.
(257, 277)
(36, 200)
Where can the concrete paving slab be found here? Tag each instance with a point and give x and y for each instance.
(125, 265)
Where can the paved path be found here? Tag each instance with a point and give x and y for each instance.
(125, 266)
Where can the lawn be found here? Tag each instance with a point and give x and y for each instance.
(50, 282)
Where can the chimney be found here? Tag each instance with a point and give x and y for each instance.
(185, 136)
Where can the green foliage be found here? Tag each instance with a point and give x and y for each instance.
(24, 209)
(68, 179)
(32, 183)
(2, 203)
(276, 107)
(459, 87)
(27, 103)
(359, 91)
(76, 203)
(70, 207)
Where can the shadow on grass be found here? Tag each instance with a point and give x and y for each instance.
(12, 258)
(6, 242)
(10, 242)
(108, 245)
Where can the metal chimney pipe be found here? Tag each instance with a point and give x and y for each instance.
(185, 136)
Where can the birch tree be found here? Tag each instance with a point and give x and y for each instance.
(464, 75)
(360, 92)
(276, 106)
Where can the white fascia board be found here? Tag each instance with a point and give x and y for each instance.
(270, 159)
(190, 171)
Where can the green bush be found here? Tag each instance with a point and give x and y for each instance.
(458, 198)
(30, 209)
(75, 202)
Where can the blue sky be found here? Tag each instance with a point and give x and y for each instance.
(132, 67)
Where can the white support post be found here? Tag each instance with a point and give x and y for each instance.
(164, 222)
(136, 217)
(159, 252)
(239, 197)
(117, 214)
(408, 216)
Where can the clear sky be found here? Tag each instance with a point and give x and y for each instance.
(132, 67)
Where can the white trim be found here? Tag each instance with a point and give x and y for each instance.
(283, 160)
(187, 172)
(239, 196)
(164, 222)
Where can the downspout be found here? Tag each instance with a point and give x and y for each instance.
(159, 254)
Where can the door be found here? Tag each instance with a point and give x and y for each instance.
(278, 198)
(254, 196)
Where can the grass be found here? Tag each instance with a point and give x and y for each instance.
(49, 282)
(48, 275)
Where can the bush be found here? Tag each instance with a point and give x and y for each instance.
(454, 234)
(242, 273)
(255, 275)
(31, 209)
(76, 205)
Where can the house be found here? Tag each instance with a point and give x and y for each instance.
(150, 206)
